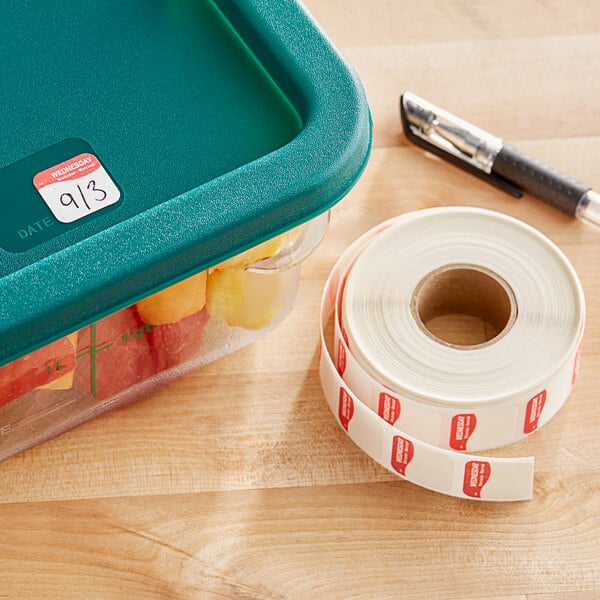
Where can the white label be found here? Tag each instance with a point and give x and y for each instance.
(76, 188)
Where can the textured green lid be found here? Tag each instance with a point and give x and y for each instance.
(145, 141)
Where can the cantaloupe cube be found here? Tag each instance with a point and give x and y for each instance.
(175, 302)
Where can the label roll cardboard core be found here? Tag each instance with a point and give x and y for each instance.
(463, 305)
(455, 330)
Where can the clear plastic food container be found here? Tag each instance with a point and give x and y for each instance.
(164, 171)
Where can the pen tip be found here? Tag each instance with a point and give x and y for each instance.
(415, 114)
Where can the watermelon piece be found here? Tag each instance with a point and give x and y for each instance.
(110, 357)
(121, 350)
(65, 382)
(39, 368)
(175, 343)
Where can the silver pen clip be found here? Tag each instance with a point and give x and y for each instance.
(453, 139)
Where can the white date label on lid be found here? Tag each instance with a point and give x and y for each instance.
(76, 188)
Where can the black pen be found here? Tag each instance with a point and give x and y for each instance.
(488, 157)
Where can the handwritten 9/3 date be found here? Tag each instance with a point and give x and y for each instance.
(93, 194)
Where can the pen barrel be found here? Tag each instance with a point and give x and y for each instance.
(539, 179)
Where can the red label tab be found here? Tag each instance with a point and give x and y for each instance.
(67, 170)
(477, 473)
(345, 336)
(345, 408)
(341, 358)
(389, 408)
(533, 411)
(403, 451)
(461, 429)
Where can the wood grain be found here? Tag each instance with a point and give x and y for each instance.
(235, 482)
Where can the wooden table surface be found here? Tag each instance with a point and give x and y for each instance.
(236, 482)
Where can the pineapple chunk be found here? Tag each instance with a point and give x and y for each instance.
(252, 255)
(175, 302)
(243, 298)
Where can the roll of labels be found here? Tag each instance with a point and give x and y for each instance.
(411, 390)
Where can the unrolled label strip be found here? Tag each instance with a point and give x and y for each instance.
(417, 402)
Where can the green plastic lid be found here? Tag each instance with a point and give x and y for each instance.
(145, 141)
